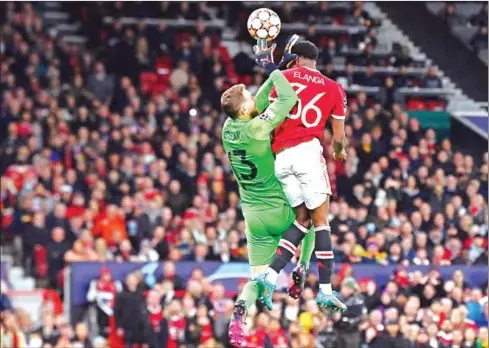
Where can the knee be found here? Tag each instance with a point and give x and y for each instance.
(319, 221)
(302, 216)
(319, 216)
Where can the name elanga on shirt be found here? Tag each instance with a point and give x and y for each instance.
(309, 78)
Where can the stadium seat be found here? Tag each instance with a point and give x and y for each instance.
(414, 104)
(147, 81)
(435, 105)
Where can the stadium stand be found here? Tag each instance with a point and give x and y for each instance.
(121, 218)
(468, 22)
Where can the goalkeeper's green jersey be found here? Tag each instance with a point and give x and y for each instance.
(247, 144)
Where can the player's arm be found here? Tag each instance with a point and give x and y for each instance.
(338, 123)
(261, 126)
(265, 60)
(262, 100)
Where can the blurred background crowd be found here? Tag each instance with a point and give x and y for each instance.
(110, 151)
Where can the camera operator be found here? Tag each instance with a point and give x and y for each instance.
(348, 323)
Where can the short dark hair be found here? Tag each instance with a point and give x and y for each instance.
(231, 100)
(305, 49)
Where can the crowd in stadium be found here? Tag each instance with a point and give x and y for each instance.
(97, 168)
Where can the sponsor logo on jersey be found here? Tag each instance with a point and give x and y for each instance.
(231, 136)
(265, 116)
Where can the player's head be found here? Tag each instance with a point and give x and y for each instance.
(307, 54)
(238, 103)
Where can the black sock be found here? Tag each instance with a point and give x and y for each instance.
(287, 246)
(324, 253)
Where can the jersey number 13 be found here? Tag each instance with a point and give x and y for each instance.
(241, 154)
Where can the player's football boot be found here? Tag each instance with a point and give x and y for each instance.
(236, 327)
(266, 290)
(330, 301)
(297, 281)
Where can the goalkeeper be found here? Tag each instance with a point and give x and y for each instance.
(246, 139)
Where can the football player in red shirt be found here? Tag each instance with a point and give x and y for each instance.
(301, 168)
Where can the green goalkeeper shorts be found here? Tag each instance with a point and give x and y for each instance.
(264, 228)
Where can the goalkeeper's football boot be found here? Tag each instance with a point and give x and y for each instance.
(266, 290)
(297, 281)
(236, 327)
(330, 302)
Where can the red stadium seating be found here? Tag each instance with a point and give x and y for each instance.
(147, 81)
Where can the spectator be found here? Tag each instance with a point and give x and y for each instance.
(81, 335)
(403, 58)
(348, 322)
(200, 329)
(147, 253)
(450, 15)
(176, 323)
(391, 337)
(371, 79)
(128, 312)
(169, 273)
(431, 80)
(5, 303)
(12, 336)
(479, 40)
(112, 227)
(157, 326)
(159, 244)
(144, 57)
(125, 252)
(103, 253)
(103, 292)
(100, 84)
(480, 19)
(180, 76)
(56, 250)
(80, 252)
(65, 332)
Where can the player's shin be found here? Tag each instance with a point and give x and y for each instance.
(286, 249)
(308, 245)
(324, 254)
(249, 294)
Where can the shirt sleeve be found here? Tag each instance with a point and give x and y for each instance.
(261, 126)
(340, 103)
(262, 96)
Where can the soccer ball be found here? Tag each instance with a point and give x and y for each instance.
(264, 24)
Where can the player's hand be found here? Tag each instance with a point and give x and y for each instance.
(264, 58)
(287, 60)
(288, 57)
(341, 156)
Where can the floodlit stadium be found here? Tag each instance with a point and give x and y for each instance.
(132, 214)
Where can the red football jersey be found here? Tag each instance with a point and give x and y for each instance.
(319, 98)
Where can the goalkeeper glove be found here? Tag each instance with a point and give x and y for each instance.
(288, 57)
(264, 58)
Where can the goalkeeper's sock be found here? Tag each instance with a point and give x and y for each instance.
(249, 294)
(308, 244)
(286, 249)
(324, 254)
